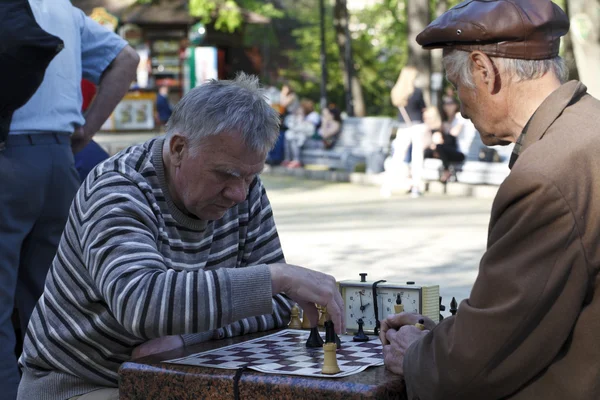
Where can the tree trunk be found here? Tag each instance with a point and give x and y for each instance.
(437, 67)
(418, 18)
(340, 22)
(585, 35)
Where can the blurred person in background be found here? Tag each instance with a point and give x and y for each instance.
(451, 144)
(301, 126)
(328, 132)
(412, 136)
(163, 107)
(93, 153)
(396, 171)
(286, 104)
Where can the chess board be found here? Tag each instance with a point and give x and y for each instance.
(285, 352)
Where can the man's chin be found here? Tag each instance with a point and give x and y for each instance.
(212, 215)
(490, 140)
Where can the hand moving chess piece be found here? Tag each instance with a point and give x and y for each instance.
(453, 306)
(305, 321)
(330, 335)
(398, 307)
(421, 324)
(330, 365)
(295, 322)
(360, 335)
(315, 339)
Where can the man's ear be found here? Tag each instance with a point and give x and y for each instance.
(485, 71)
(178, 147)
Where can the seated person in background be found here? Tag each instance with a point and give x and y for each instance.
(329, 131)
(170, 243)
(445, 143)
(301, 126)
(331, 126)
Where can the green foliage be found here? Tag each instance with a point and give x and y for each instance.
(227, 15)
(379, 49)
(305, 72)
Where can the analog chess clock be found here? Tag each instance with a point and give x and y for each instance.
(374, 301)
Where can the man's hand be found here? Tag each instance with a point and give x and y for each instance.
(397, 321)
(79, 139)
(158, 345)
(399, 341)
(307, 288)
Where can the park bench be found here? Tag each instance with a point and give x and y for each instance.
(363, 140)
(472, 170)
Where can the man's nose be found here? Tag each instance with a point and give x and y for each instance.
(236, 192)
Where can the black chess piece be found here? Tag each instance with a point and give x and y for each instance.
(442, 308)
(453, 306)
(315, 339)
(330, 335)
(337, 340)
(360, 335)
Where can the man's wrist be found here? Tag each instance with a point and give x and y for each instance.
(278, 278)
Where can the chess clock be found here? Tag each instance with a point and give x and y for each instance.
(374, 301)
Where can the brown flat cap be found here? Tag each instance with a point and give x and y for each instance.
(525, 29)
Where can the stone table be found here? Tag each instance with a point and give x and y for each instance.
(149, 378)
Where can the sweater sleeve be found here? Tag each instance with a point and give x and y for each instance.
(118, 235)
(262, 246)
(525, 301)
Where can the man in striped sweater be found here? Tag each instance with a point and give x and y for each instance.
(169, 243)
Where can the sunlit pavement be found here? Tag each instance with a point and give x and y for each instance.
(344, 229)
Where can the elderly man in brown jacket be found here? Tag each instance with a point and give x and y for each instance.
(531, 327)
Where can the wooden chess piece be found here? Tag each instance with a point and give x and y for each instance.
(421, 324)
(315, 339)
(453, 306)
(324, 316)
(330, 335)
(398, 307)
(360, 335)
(295, 322)
(305, 321)
(330, 364)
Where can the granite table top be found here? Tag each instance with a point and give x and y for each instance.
(150, 378)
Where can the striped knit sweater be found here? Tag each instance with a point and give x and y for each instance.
(132, 267)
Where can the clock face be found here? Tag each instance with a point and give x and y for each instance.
(411, 300)
(358, 302)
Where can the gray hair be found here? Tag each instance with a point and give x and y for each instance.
(458, 66)
(235, 106)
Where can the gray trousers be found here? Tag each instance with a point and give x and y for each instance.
(38, 182)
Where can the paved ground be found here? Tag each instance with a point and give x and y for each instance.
(344, 229)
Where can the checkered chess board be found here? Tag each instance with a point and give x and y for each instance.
(285, 352)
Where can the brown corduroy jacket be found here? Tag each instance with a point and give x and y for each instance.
(531, 326)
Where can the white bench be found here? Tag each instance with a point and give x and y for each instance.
(363, 140)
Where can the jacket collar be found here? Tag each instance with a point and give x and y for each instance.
(550, 109)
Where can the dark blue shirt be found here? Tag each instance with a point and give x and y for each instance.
(163, 108)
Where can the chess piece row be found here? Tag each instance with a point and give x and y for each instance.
(304, 323)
